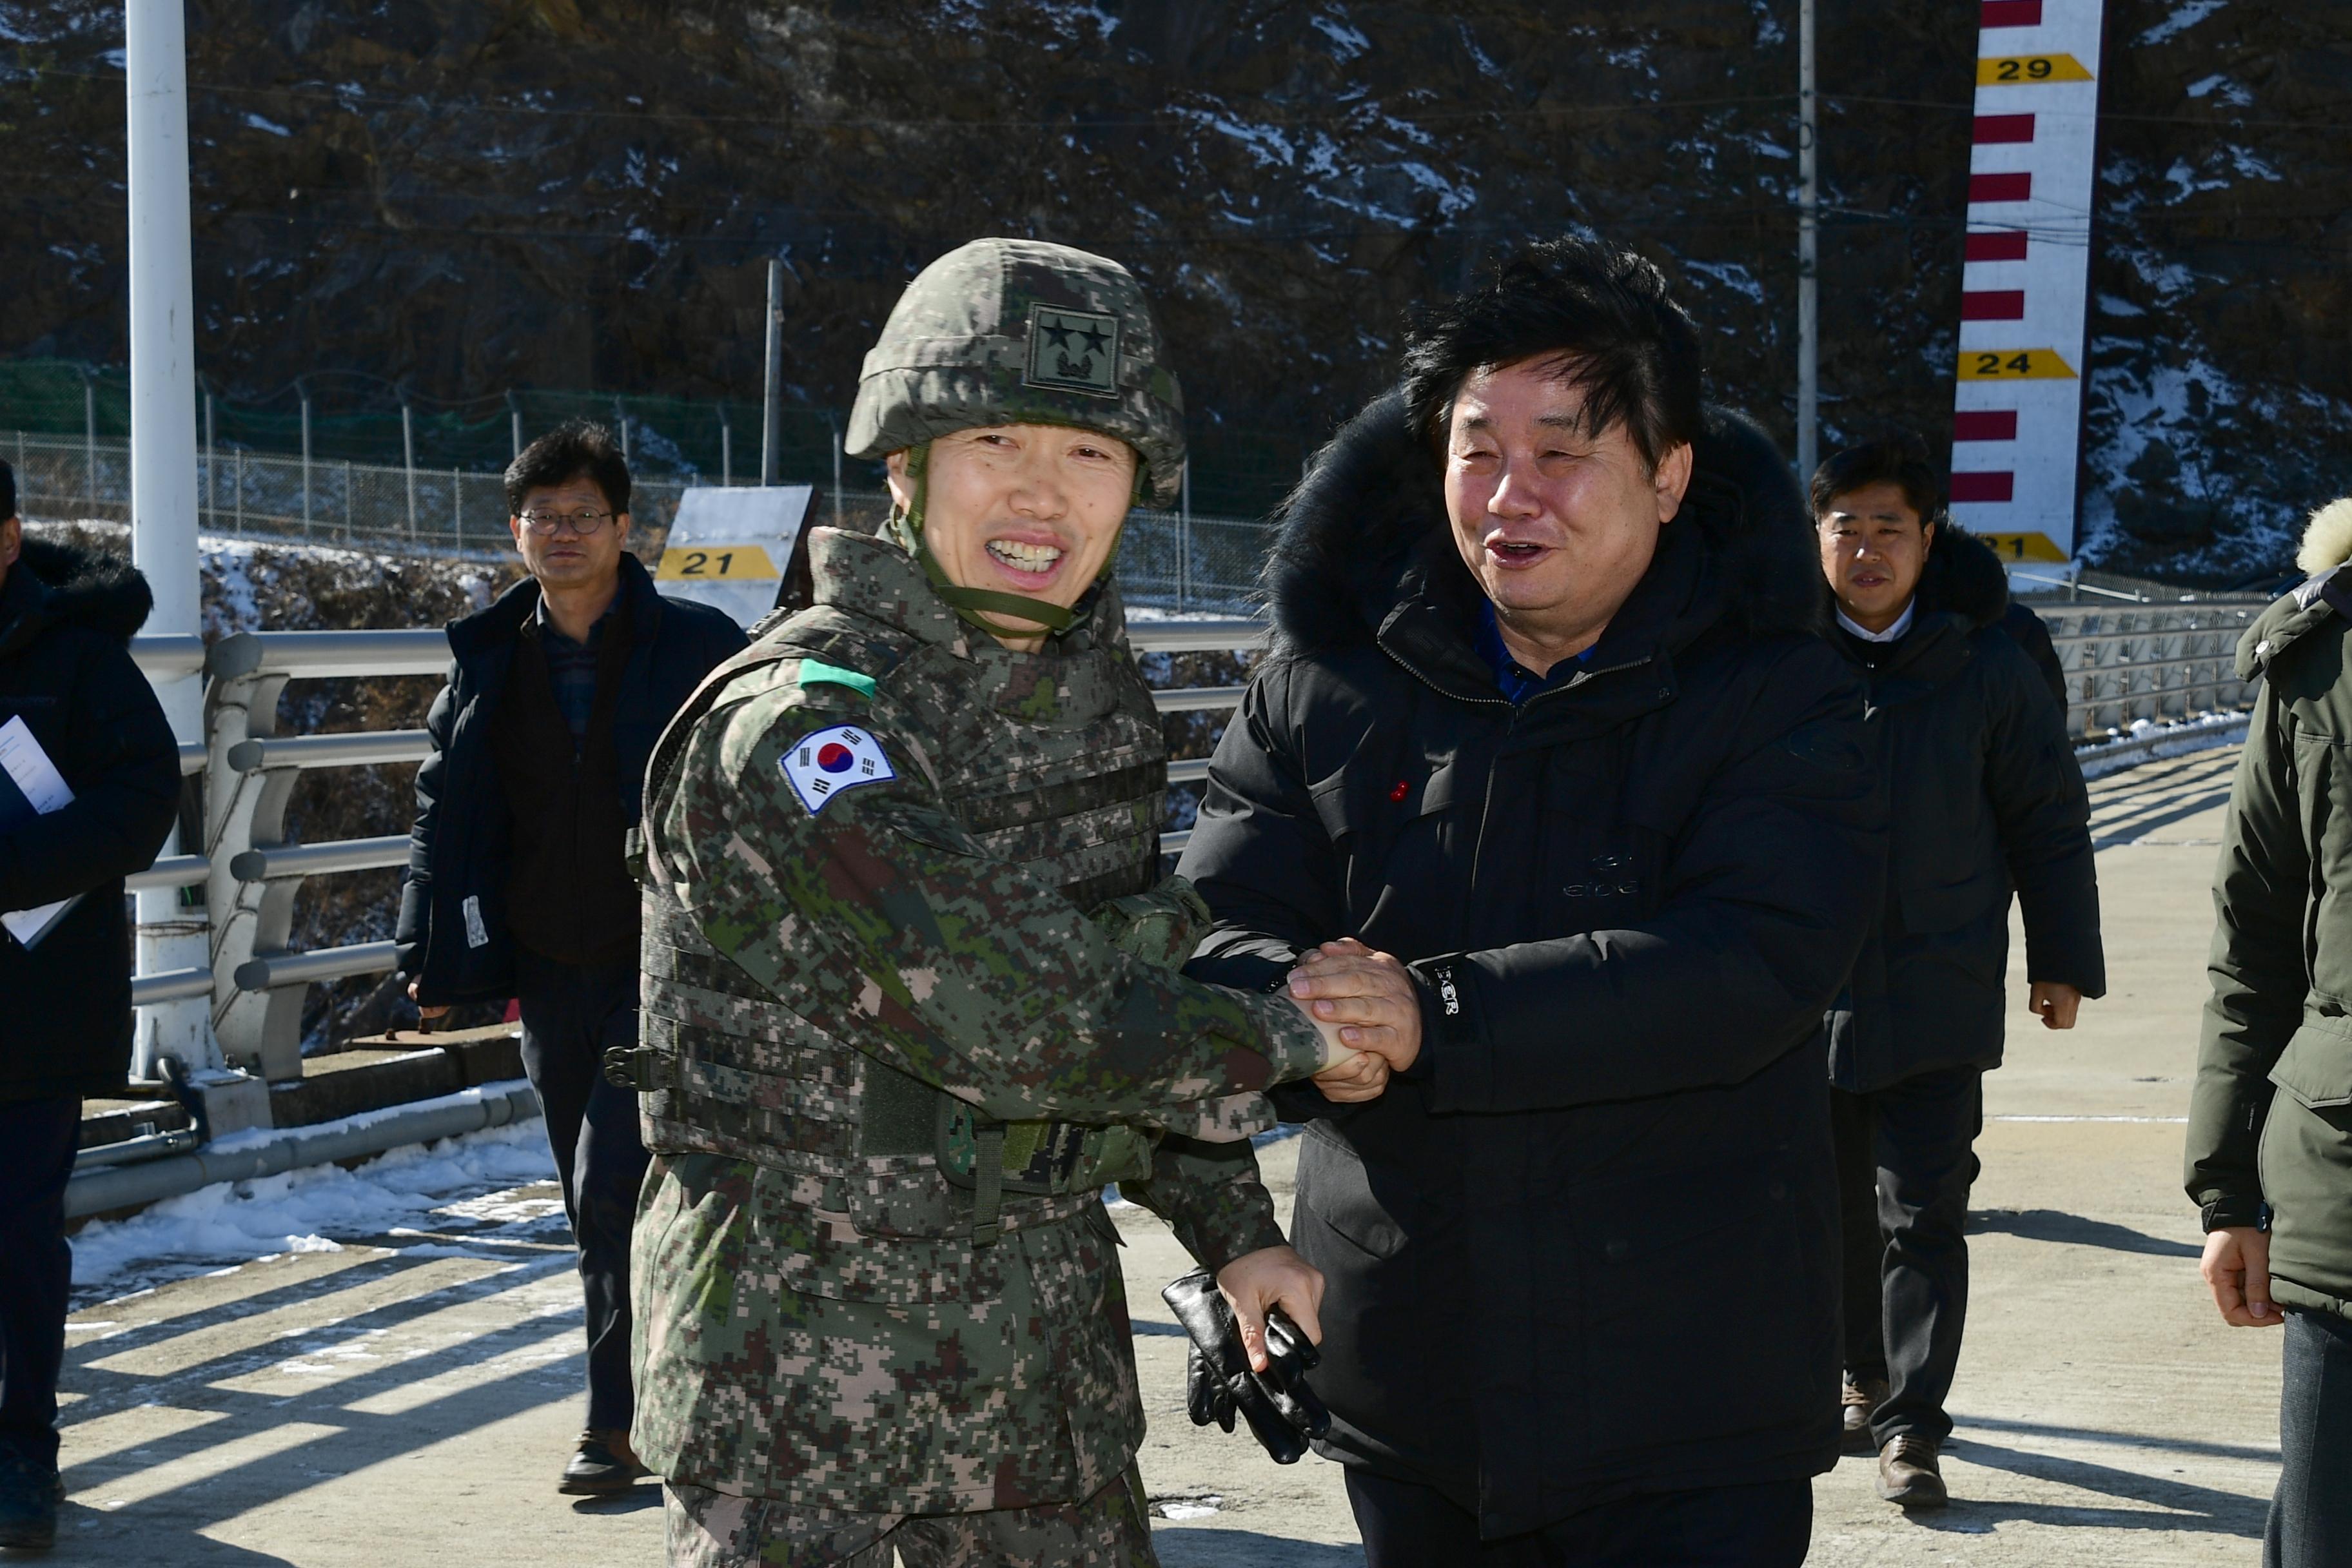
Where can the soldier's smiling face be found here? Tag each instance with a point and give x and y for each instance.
(1033, 510)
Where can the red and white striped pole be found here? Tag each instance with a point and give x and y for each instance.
(2018, 410)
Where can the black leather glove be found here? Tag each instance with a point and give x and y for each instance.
(1283, 1411)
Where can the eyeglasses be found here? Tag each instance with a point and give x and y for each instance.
(582, 522)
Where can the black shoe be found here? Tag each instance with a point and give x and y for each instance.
(1861, 1400)
(605, 1465)
(28, 1503)
(1909, 1475)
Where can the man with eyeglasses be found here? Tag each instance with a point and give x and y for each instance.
(517, 883)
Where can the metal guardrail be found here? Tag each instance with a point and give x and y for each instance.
(2123, 663)
(358, 749)
(321, 859)
(2126, 663)
(170, 985)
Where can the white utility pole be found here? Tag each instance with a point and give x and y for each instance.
(90, 439)
(772, 397)
(303, 391)
(163, 467)
(1809, 308)
(408, 458)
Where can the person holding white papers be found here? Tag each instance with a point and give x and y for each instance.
(89, 779)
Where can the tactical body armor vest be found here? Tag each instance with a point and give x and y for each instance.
(1051, 761)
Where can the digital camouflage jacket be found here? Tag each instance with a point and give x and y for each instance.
(887, 857)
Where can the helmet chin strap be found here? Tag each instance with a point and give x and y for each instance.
(971, 605)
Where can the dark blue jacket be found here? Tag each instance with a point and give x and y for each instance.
(1587, 1246)
(66, 616)
(459, 849)
(1986, 801)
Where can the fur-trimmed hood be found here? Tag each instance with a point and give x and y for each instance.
(55, 583)
(1371, 500)
(2310, 604)
(2326, 538)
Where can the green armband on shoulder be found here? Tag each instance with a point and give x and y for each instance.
(816, 672)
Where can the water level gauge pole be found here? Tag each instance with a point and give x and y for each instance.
(1808, 338)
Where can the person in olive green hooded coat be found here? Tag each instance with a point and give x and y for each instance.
(2269, 1124)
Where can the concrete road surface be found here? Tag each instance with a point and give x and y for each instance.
(409, 1398)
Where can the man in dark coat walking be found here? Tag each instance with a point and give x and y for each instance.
(2270, 1122)
(1986, 799)
(1555, 785)
(66, 616)
(517, 884)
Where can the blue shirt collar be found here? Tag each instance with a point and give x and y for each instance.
(548, 628)
(1512, 679)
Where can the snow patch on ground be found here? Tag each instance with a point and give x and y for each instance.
(1729, 275)
(1345, 41)
(2180, 21)
(316, 1209)
(2149, 742)
(2230, 91)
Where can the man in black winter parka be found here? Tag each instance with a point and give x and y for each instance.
(1549, 737)
(517, 884)
(1986, 799)
(67, 616)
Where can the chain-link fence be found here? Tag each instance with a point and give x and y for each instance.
(1166, 561)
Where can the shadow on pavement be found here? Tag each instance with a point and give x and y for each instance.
(83, 1537)
(1200, 1547)
(343, 1437)
(2127, 809)
(2172, 1505)
(2050, 1225)
(2125, 1439)
(646, 1494)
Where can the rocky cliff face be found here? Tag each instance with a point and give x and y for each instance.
(476, 194)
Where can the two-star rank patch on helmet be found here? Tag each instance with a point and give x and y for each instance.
(1073, 351)
(819, 766)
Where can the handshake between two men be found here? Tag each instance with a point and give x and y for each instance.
(1365, 1002)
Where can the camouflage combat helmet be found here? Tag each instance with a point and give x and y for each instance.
(1018, 332)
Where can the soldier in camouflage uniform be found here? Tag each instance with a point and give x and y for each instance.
(910, 990)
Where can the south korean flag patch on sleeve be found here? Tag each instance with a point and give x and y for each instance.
(821, 766)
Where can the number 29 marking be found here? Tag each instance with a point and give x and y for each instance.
(2025, 70)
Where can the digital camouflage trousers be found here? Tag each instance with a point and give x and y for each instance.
(1111, 1529)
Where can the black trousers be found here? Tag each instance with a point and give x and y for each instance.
(2311, 1514)
(1906, 1158)
(571, 1015)
(1406, 1525)
(37, 1140)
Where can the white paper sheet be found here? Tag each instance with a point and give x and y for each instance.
(30, 769)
